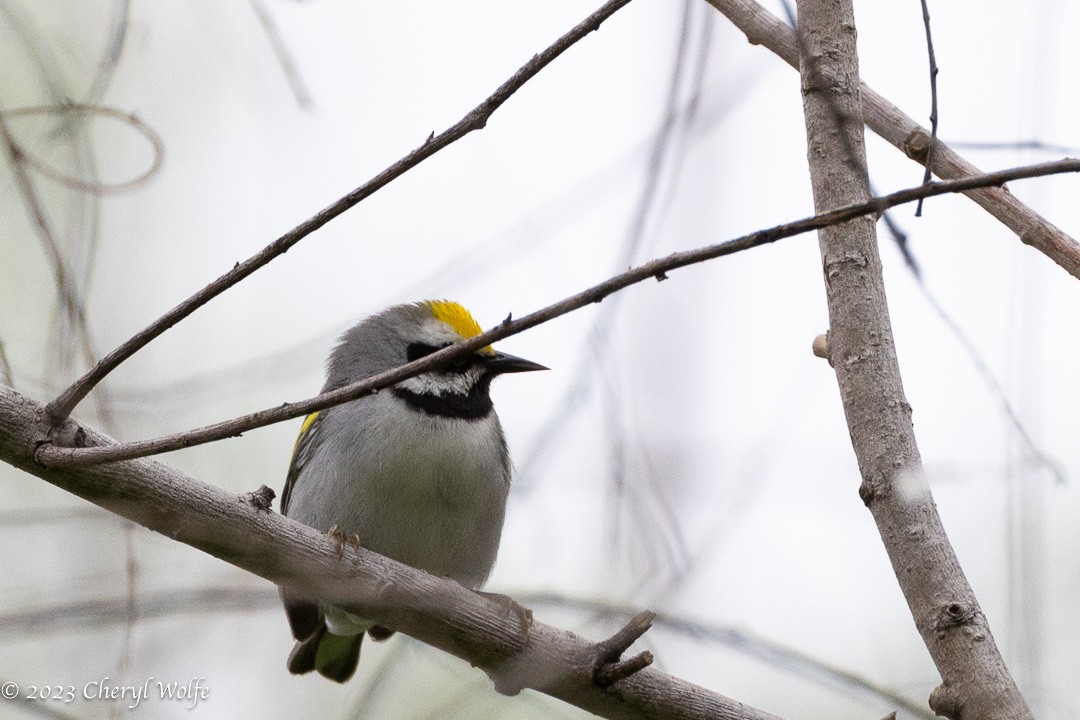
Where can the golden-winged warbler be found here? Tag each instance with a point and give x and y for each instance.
(419, 472)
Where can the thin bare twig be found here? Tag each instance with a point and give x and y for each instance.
(113, 50)
(61, 407)
(18, 159)
(67, 290)
(157, 145)
(71, 304)
(659, 531)
(74, 117)
(281, 52)
(980, 365)
(56, 456)
(763, 28)
(1035, 453)
(900, 238)
(933, 100)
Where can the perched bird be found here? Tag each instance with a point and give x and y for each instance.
(419, 472)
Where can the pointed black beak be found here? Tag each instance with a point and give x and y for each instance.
(501, 362)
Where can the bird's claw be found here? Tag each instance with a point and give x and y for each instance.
(342, 539)
(510, 605)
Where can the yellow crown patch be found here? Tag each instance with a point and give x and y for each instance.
(457, 317)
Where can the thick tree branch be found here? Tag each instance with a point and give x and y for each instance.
(476, 119)
(55, 453)
(975, 682)
(434, 610)
(890, 123)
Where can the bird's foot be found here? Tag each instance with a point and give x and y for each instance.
(342, 539)
(510, 605)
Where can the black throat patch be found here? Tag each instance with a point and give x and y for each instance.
(475, 405)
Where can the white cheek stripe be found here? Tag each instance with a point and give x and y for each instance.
(443, 383)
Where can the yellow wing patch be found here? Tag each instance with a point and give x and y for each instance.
(308, 422)
(458, 318)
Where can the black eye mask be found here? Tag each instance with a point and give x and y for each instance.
(417, 350)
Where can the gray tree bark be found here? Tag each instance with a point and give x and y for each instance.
(892, 125)
(975, 681)
(240, 530)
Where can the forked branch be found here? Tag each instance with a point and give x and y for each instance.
(894, 126)
(975, 682)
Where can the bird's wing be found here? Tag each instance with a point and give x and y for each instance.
(305, 618)
(306, 445)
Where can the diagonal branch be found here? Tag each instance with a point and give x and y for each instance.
(434, 610)
(775, 655)
(891, 124)
(60, 455)
(975, 681)
(60, 408)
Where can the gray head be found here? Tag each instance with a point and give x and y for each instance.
(403, 333)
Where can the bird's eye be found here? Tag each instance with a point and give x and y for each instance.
(417, 350)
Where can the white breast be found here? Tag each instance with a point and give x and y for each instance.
(427, 491)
